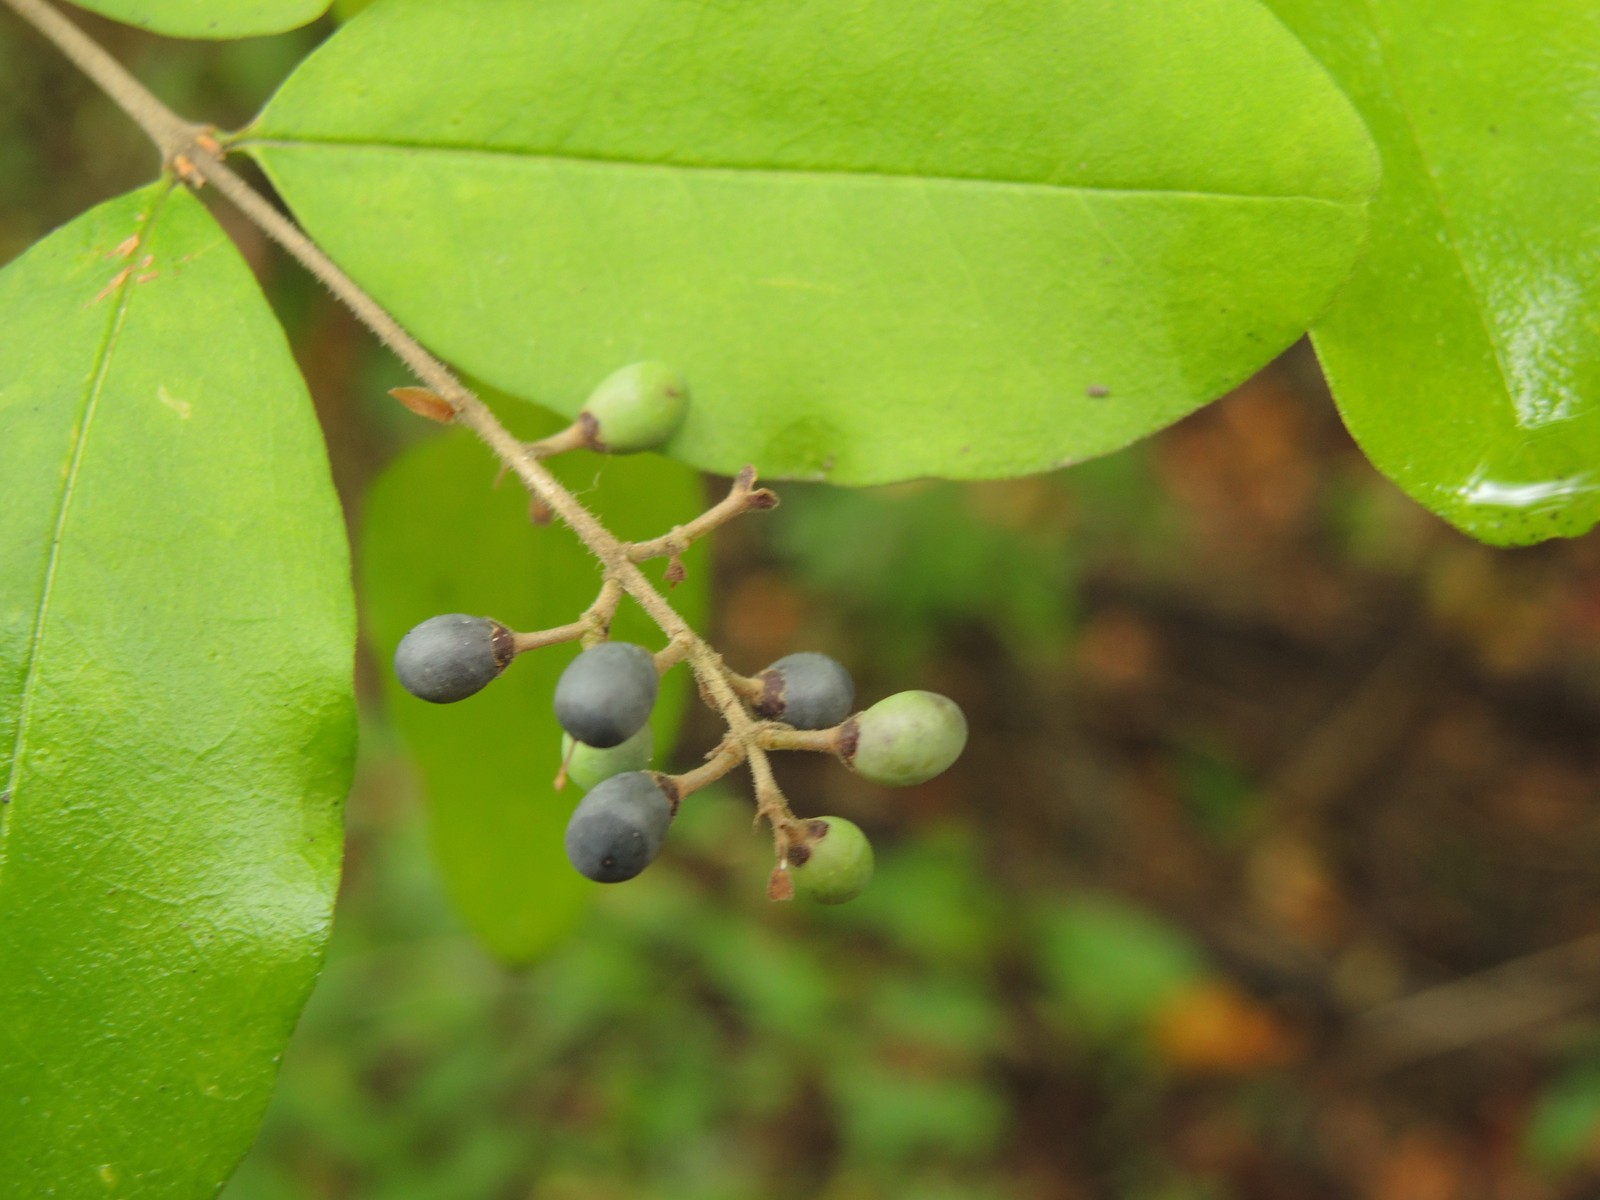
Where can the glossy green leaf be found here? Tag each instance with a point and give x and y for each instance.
(968, 239)
(210, 18)
(176, 633)
(438, 537)
(1465, 354)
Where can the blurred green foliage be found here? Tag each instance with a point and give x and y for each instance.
(1564, 1130)
(691, 1040)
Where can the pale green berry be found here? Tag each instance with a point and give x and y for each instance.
(637, 408)
(588, 765)
(837, 862)
(904, 739)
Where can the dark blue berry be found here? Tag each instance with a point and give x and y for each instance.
(605, 695)
(448, 658)
(807, 690)
(618, 828)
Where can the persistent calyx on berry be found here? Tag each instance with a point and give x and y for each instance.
(904, 739)
(589, 765)
(636, 408)
(449, 657)
(618, 828)
(834, 863)
(605, 695)
(807, 690)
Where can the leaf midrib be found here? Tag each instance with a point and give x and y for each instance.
(87, 414)
(250, 143)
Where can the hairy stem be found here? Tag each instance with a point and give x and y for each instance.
(781, 737)
(721, 760)
(743, 497)
(521, 643)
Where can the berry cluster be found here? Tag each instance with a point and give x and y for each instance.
(604, 698)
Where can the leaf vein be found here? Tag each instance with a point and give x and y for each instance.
(909, 177)
(91, 403)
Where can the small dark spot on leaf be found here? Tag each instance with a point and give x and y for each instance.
(1097, 391)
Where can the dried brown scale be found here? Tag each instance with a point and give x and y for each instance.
(503, 643)
(669, 788)
(849, 735)
(780, 886)
(425, 402)
(589, 430)
(770, 704)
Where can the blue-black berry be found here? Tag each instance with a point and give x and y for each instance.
(807, 690)
(605, 695)
(449, 657)
(618, 828)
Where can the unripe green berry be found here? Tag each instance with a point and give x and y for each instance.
(637, 408)
(838, 861)
(589, 765)
(904, 739)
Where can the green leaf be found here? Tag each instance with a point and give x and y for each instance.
(438, 537)
(210, 18)
(967, 239)
(176, 633)
(1465, 354)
